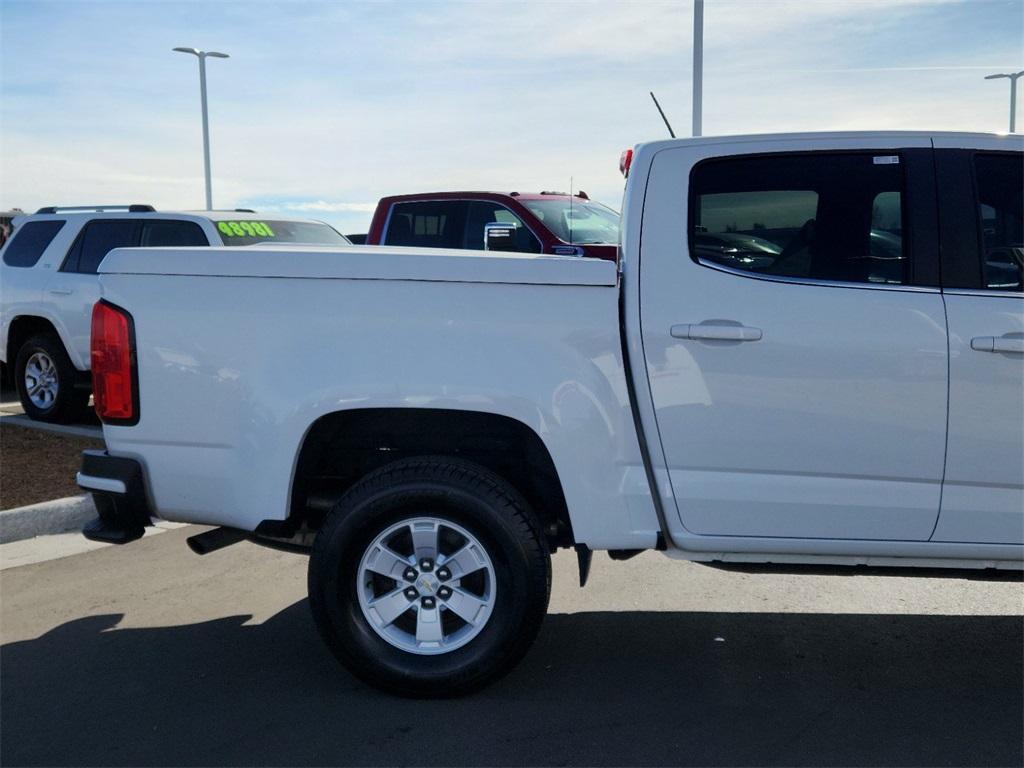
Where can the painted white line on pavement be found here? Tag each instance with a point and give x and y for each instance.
(60, 545)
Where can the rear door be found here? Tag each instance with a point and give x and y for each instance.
(794, 337)
(981, 195)
(74, 289)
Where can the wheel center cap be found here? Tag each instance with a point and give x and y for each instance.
(426, 584)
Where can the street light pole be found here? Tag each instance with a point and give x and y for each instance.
(698, 64)
(201, 55)
(1012, 77)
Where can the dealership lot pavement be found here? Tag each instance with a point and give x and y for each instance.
(150, 655)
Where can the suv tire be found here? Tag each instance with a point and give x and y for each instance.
(492, 566)
(46, 380)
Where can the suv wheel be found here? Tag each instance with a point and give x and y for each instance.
(45, 379)
(430, 578)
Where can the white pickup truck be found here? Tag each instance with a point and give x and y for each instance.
(810, 353)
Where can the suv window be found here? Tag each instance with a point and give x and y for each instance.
(169, 232)
(1000, 184)
(832, 217)
(428, 224)
(97, 239)
(30, 240)
(483, 212)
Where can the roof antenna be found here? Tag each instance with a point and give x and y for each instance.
(662, 113)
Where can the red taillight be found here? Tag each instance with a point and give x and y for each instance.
(113, 366)
(625, 160)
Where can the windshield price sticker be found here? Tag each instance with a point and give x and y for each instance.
(245, 229)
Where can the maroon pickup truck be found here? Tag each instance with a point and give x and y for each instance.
(549, 222)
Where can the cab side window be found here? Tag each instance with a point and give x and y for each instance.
(483, 212)
(427, 224)
(1000, 186)
(829, 217)
(97, 239)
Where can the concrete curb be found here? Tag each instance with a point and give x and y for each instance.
(48, 517)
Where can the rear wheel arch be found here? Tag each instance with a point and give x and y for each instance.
(23, 328)
(341, 448)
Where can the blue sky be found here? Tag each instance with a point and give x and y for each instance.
(325, 107)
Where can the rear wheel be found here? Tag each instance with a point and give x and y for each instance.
(45, 379)
(429, 578)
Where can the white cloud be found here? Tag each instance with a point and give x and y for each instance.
(330, 106)
(324, 206)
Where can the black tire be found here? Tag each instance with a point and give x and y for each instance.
(70, 402)
(455, 491)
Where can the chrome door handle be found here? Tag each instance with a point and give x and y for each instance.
(61, 291)
(998, 344)
(716, 332)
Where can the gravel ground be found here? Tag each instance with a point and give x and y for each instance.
(38, 466)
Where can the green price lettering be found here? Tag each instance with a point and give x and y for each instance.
(245, 229)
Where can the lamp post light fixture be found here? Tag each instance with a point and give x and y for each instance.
(1012, 77)
(201, 55)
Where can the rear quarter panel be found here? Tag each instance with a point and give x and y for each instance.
(233, 371)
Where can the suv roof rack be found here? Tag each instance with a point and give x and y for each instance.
(133, 208)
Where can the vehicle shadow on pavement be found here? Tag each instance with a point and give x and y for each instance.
(630, 688)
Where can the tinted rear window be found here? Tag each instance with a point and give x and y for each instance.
(1000, 184)
(30, 240)
(99, 238)
(170, 232)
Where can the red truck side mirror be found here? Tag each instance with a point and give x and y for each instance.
(499, 236)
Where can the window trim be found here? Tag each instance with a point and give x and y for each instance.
(70, 261)
(905, 288)
(959, 229)
(918, 212)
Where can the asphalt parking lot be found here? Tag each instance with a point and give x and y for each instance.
(150, 655)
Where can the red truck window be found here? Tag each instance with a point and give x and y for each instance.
(452, 224)
(427, 224)
(483, 212)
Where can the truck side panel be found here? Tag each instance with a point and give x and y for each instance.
(234, 370)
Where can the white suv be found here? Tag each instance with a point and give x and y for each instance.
(48, 284)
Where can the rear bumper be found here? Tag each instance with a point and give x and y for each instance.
(118, 489)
